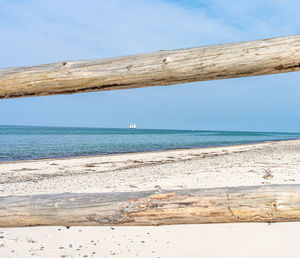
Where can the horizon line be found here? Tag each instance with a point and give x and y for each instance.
(98, 127)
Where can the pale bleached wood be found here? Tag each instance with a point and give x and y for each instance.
(261, 57)
(273, 203)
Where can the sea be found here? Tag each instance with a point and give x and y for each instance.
(35, 142)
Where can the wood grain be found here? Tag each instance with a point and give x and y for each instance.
(273, 203)
(261, 57)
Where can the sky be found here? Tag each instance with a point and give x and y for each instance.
(37, 32)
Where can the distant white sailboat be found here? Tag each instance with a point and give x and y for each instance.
(132, 126)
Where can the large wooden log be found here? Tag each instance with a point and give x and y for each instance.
(273, 203)
(261, 57)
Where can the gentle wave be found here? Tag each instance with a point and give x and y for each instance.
(32, 142)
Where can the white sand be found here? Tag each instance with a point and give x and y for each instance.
(206, 240)
(174, 169)
(253, 164)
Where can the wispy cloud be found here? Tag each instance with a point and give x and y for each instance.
(34, 32)
(47, 31)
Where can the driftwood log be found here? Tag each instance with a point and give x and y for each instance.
(261, 57)
(273, 203)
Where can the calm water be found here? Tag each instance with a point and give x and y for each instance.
(20, 142)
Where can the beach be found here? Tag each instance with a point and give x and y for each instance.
(239, 165)
(152, 129)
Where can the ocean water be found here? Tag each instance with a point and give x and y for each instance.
(32, 142)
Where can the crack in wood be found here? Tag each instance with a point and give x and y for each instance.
(229, 208)
(286, 67)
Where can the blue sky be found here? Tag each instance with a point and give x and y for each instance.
(36, 32)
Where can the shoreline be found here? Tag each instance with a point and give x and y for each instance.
(137, 152)
(221, 166)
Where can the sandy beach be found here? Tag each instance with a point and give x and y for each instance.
(251, 164)
(173, 169)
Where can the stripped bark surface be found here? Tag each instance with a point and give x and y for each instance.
(272, 203)
(252, 58)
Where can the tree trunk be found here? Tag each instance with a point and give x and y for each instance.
(261, 57)
(273, 203)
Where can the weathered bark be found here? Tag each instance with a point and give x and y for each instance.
(273, 203)
(261, 57)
